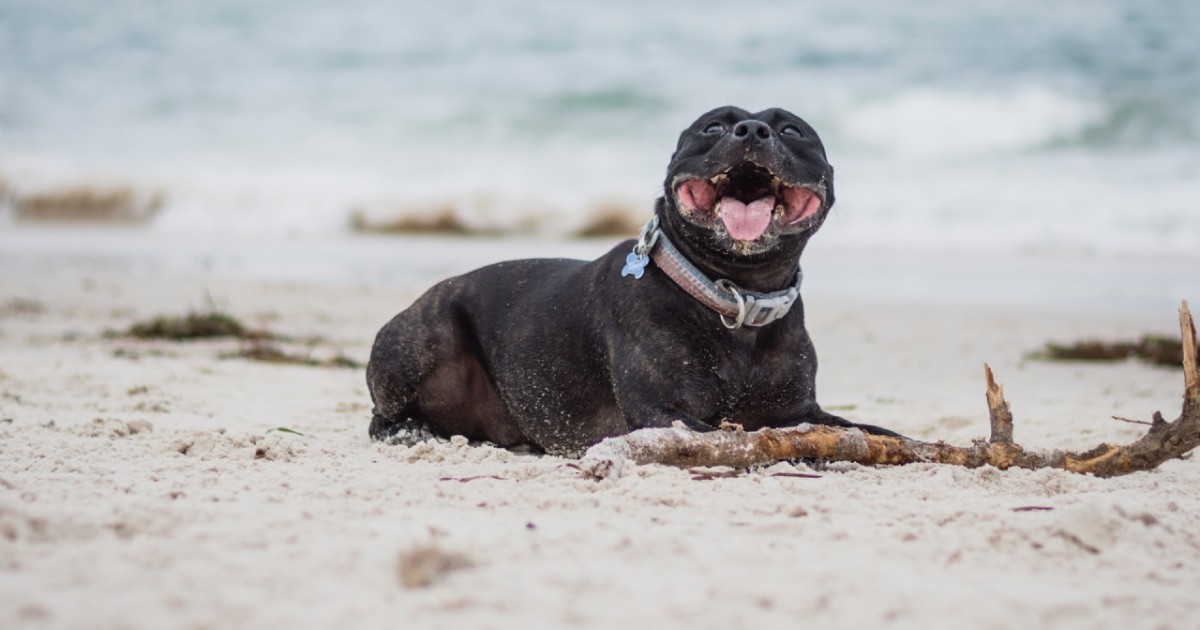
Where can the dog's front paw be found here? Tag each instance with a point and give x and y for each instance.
(405, 433)
(605, 460)
(601, 467)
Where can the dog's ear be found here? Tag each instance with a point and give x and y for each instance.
(660, 208)
(829, 187)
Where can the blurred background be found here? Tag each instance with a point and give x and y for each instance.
(1012, 127)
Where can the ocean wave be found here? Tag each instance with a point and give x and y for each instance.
(297, 205)
(1067, 204)
(930, 122)
(947, 123)
(1138, 122)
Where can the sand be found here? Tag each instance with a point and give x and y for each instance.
(146, 484)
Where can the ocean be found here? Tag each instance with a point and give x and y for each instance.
(1001, 125)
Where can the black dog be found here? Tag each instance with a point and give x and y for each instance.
(698, 321)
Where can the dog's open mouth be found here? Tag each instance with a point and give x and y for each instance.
(747, 198)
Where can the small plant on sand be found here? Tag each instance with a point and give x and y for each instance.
(81, 203)
(442, 221)
(1154, 349)
(260, 344)
(611, 220)
(194, 325)
(272, 353)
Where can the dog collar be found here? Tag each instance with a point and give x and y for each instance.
(736, 306)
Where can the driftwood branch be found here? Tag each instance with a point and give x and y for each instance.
(679, 446)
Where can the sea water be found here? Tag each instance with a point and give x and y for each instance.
(1009, 125)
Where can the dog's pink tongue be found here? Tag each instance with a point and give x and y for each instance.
(747, 222)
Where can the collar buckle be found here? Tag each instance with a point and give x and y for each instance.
(756, 310)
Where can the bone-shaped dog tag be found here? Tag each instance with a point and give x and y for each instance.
(635, 265)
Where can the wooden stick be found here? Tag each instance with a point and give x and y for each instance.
(681, 447)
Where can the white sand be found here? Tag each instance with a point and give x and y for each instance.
(141, 486)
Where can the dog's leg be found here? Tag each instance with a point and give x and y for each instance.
(394, 397)
(695, 425)
(428, 378)
(813, 414)
(643, 406)
(393, 377)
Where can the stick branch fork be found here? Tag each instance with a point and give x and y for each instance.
(685, 448)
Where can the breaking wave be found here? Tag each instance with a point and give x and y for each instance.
(948, 123)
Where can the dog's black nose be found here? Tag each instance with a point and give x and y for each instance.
(751, 130)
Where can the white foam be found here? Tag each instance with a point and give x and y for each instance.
(941, 122)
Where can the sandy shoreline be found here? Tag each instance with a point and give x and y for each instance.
(141, 484)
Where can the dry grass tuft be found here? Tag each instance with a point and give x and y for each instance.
(261, 344)
(267, 352)
(612, 218)
(116, 205)
(1153, 349)
(21, 307)
(441, 221)
(207, 325)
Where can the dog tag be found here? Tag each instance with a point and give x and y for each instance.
(635, 265)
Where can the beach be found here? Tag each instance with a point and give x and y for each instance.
(1008, 173)
(151, 483)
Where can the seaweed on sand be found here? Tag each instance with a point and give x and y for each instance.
(194, 325)
(261, 344)
(1154, 349)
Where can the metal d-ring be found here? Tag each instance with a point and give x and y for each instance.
(648, 237)
(726, 285)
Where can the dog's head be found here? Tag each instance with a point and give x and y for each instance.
(754, 186)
